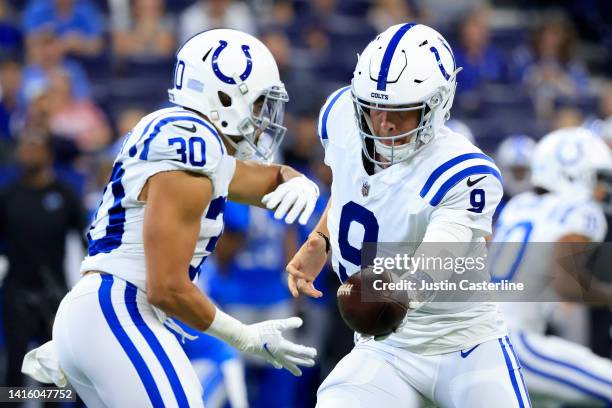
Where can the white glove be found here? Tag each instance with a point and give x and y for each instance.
(265, 339)
(299, 193)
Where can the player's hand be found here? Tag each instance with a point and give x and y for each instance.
(292, 198)
(266, 340)
(305, 266)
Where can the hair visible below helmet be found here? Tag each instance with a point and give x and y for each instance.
(514, 159)
(407, 67)
(568, 161)
(232, 78)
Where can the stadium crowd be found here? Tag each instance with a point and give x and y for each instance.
(77, 75)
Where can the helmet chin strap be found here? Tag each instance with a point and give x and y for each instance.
(244, 151)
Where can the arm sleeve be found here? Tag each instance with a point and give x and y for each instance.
(325, 115)
(472, 207)
(200, 151)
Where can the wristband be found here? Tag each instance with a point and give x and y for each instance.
(228, 329)
(327, 243)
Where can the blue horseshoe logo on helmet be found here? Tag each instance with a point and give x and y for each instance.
(221, 75)
(562, 154)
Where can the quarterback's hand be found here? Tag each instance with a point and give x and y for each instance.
(266, 339)
(305, 266)
(292, 198)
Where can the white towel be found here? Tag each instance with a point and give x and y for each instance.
(42, 364)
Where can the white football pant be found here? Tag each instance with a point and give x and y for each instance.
(116, 353)
(374, 374)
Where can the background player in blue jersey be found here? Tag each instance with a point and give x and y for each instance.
(218, 365)
(251, 286)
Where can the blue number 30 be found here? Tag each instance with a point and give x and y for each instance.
(192, 151)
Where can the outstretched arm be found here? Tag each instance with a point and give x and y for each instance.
(175, 203)
(308, 262)
(276, 187)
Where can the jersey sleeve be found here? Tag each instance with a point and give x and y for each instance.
(326, 113)
(585, 219)
(185, 143)
(469, 199)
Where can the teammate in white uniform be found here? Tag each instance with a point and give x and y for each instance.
(161, 216)
(400, 175)
(562, 209)
(514, 158)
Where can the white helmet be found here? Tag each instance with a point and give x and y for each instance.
(462, 128)
(568, 161)
(514, 159)
(407, 67)
(221, 74)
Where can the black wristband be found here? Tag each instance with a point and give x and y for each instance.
(327, 243)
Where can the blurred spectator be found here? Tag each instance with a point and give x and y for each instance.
(297, 76)
(44, 53)
(77, 23)
(302, 144)
(385, 13)
(10, 81)
(443, 14)
(549, 68)
(10, 36)
(482, 62)
(77, 120)
(280, 13)
(601, 122)
(36, 213)
(567, 117)
(207, 14)
(148, 33)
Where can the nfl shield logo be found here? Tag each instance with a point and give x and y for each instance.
(365, 189)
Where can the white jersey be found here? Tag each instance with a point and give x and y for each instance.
(165, 140)
(442, 182)
(540, 220)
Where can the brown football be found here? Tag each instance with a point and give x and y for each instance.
(370, 311)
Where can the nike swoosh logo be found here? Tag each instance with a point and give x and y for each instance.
(467, 353)
(265, 346)
(470, 183)
(191, 129)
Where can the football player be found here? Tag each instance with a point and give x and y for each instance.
(563, 208)
(400, 175)
(514, 158)
(161, 216)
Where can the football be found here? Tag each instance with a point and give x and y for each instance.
(369, 309)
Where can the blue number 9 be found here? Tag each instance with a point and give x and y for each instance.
(477, 200)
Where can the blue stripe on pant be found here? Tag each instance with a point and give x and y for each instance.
(560, 379)
(104, 297)
(518, 363)
(512, 372)
(156, 347)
